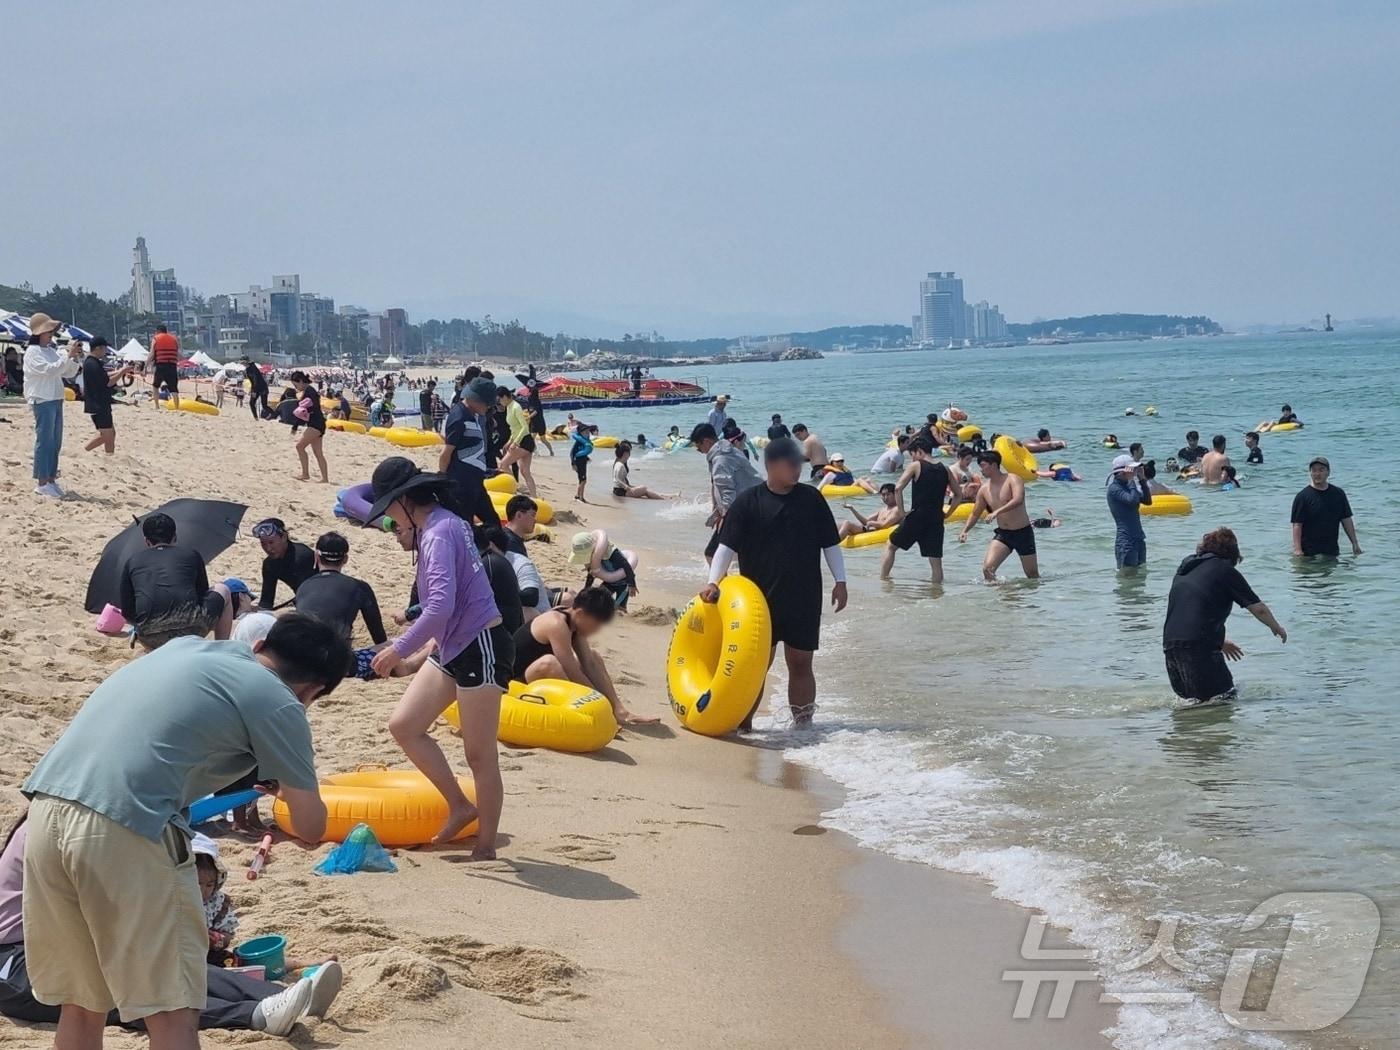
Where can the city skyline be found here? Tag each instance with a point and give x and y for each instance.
(619, 167)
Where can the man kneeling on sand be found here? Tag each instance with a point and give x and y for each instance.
(555, 645)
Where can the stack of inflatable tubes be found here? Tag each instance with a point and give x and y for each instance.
(189, 404)
(1173, 504)
(554, 714)
(1016, 458)
(501, 483)
(718, 658)
(401, 807)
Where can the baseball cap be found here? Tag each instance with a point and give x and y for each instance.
(783, 448)
(581, 548)
(1319, 459)
(838, 458)
(481, 390)
(237, 586)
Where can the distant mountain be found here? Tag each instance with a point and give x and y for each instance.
(1101, 326)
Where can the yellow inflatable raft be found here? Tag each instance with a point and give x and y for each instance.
(552, 713)
(1172, 503)
(543, 517)
(1270, 427)
(968, 432)
(501, 483)
(875, 538)
(401, 807)
(606, 441)
(189, 404)
(1016, 458)
(408, 437)
(346, 426)
(358, 412)
(843, 491)
(718, 658)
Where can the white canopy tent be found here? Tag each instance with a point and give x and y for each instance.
(199, 357)
(392, 360)
(133, 351)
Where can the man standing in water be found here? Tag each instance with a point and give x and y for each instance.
(924, 524)
(1318, 511)
(812, 448)
(1128, 492)
(1215, 461)
(730, 474)
(1192, 451)
(780, 531)
(1003, 497)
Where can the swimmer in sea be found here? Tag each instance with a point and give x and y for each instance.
(1110, 441)
(962, 473)
(835, 473)
(1047, 522)
(1251, 442)
(1287, 415)
(812, 448)
(1230, 479)
(1043, 442)
(1215, 461)
(1003, 497)
(889, 514)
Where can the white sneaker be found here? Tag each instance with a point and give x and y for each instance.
(48, 490)
(56, 490)
(278, 1014)
(325, 986)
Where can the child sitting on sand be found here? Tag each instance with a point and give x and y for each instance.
(219, 915)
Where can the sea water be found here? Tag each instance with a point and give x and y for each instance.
(1024, 731)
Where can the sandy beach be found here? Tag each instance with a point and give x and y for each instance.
(671, 890)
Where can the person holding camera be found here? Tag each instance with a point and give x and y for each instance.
(1128, 493)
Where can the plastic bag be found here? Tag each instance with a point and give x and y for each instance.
(360, 851)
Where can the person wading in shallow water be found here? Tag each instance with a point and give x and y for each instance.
(780, 531)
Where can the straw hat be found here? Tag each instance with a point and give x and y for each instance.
(41, 323)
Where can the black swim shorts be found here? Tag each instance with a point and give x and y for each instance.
(102, 418)
(169, 375)
(527, 443)
(537, 424)
(618, 490)
(1022, 540)
(1198, 671)
(488, 660)
(926, 530)
(581, 467)
(798, 625)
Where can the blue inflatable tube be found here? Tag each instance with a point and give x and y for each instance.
(206, 809)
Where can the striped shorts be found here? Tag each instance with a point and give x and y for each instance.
(487, 660)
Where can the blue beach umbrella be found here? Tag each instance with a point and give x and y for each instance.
(14, 326)
(74, 332)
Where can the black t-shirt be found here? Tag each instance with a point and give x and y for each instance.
(778, 430)
(1256, 455)
(161, 580)
(1187, 454)
(425, 402)
(506, 589)
(317, 419)
(336, 599)
(97, 392)
(256, 377)
(293, 569)
(779, 540)
(1321, 513)
(1204, 589)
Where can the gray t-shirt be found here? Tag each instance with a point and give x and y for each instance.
(173, 726)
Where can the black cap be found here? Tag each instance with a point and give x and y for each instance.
(783, 448)
(98, 340)
(333, 548)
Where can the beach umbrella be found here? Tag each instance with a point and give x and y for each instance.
(80, 334)
(209, 526)
(14, 326)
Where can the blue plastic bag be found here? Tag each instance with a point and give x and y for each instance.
(360, 851)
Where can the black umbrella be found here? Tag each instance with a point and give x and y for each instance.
(209, 526)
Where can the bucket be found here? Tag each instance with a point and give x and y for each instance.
(110, 620)
(268, 952)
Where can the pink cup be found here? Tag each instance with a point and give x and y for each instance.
(110, 620)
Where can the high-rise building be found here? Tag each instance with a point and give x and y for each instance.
(988, 325)
(393, 332)
(943, 314)
(155, 291)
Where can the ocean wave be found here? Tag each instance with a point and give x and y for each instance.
(685, 509)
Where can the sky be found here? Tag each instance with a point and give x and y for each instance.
(718, 168)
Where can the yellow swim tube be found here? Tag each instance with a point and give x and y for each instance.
(875, 538)
(719, 658)
(552, 713)
(68, 394)
(1270, 427)
(544, 517)
(961, 512)
(358, 412)
(501, 483)
(345, 426)
(1015, 458)
(401, 807)
(968, 432)
(1173, 503)
(606, 441)
(408, 437)
(189, 404)
(843, 491)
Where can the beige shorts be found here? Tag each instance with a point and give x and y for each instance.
(112, 920)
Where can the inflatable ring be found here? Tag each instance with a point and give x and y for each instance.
(500, 499)
(189, 404)
(541, 532)
(400, 806)
(378, 432)
(68, 394)
(968, 432)
(874, 538)
(128, 380)
(408, 437)
(961, 512)
(718, 659)
(501, 483)
(1168, 503)
(554, 714)
(1015, 458)
(358, 412)
(843, 491)
(345, 426)
(606, 441)
(1269, 427)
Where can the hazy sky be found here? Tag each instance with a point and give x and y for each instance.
(716, 168)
